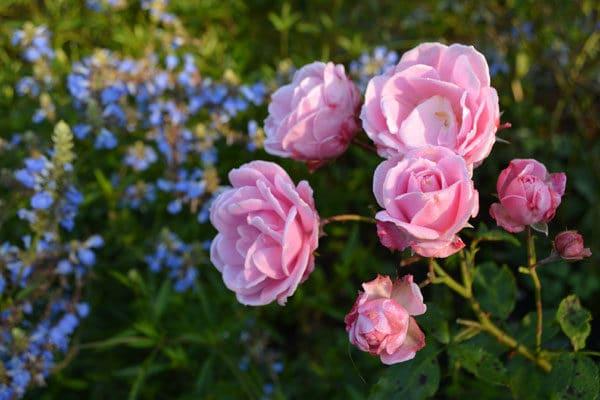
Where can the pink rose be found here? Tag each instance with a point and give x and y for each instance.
(268, 231)
(437, 95)
(381, 321)
(569, 246)
(314, 118)
(528, 195)
(428, 197)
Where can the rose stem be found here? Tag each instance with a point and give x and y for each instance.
(346, 218)
(531, 262)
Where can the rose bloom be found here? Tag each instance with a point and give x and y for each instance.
(268, 231)
(314, 118)
(437, 95)
(528, 195)
(569, 246)
(428, 197)
(381, 321)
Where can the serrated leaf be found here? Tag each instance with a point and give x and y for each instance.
(580, 374)
(416, 379)
(479, 362)
(495, 288)
(574, 320)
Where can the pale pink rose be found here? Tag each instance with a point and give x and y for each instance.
(528, 195)
(569, 246)
(268, 231)
(381, 321)
(428, 197)
(437, 95)
(313, 118)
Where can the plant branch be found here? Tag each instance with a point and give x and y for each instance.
(346, 218)
(485, 324)
(531, 262)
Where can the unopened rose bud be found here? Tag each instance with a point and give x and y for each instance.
(569, 246)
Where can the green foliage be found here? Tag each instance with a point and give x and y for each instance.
(479, 362)
(495, 288)
(413, 380)
(574, 321)
(573, 376)
(143, 340)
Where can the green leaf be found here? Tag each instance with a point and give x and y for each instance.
(495, 235)
(416, 379)
(574, 321)
(479, 362)
(580, 374)
(435, 323)
(495, 288)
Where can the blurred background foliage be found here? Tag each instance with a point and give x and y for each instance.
(143, 340)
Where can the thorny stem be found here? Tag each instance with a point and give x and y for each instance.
(484, 323)
(531, 262)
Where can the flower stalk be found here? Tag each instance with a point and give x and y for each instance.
(347, 218)
(531, 262)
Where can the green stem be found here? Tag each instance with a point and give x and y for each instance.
(466, 273)
(346, 218)
(531, 262)
(443, 277)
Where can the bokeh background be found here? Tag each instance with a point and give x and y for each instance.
(145, 340)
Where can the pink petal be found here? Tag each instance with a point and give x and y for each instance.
(408, 295)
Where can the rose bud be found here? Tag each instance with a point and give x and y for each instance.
(428, 197)
(381, 321)
(314, 118)
(528, 194)
(569, 246)
(437, 95)
(268, 231)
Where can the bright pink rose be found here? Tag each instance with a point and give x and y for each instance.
(381, 321)
(268, 231)
(428, 196)
(569, 246)
(437, 95)
(528, 195)
(314, 118)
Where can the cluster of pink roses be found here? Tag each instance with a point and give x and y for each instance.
(434, 119)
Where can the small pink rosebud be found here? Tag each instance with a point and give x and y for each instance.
(569, 246)
(381, 321)
(528, 195)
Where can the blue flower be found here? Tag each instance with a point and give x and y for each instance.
(140, 156)
(41, 201)
(81, 131)
(105, 140)
(83, 309)
(111, 94)
(174, 207)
